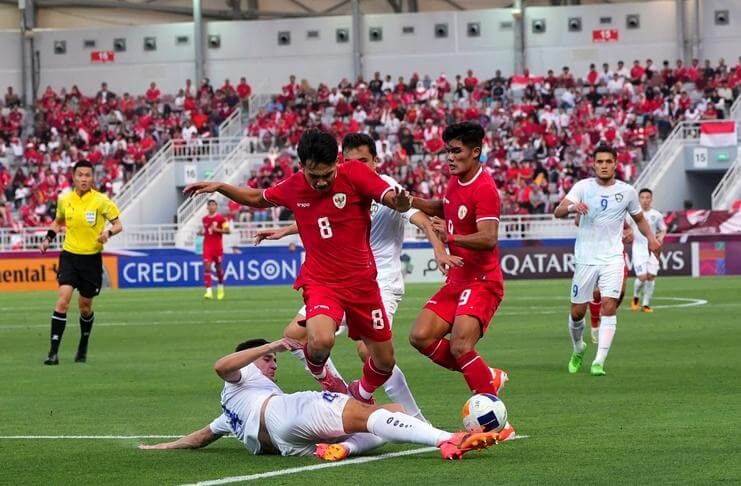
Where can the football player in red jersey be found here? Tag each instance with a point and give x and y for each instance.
(215, 226)
(331, 204)
(466, 303)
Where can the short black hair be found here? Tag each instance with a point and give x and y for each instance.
(250, 343)
(82, 163)
(357, 140)
(605, 149)
(317, 147)
(470, 134)
(211, 201)
(646, 189)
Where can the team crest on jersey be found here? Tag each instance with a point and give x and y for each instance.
(339, 200)
(374, 208)
(619, 196)
(462, 211)
(90, 217)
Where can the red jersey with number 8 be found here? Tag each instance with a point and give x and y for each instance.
(334, 225)
(464, 205)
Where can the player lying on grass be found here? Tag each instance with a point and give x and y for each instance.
(328, 425)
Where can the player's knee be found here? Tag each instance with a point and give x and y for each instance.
(86, 308)
(62, 305)
(578, 311)
(420, 339)
(363, 353)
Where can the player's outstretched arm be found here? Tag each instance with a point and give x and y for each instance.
(228, 367)
(567, 207)
(275, 233)
(444, 260)
(653, 244)
(194, 440)
(397, 199)
(246, 196)
(431, 207)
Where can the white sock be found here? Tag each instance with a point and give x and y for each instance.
(400, 427)
(648, 291)
(637, 287)
(397, 389)
(362, 442)
(576, 331)
(607, 327)
(363, 392)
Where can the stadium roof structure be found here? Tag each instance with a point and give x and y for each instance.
(271, 9)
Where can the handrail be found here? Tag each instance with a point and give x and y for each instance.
(735, 112)
(232, 126)
(657, 166)
(146, 173)
(513, 227)
(725, 187)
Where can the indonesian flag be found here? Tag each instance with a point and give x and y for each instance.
(718, 134)
(520, 81)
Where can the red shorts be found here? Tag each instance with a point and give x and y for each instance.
(478, 298)
(215, 255)
(362, 308)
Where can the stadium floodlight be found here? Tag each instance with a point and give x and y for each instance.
(375, 34)
(574, 24)
(722, 17)
(214, 41)
(538, 26)
(284, 38)
(473, 29)
(633, 21)
(150, 43)
(60, 47)
(342, 35)
(119, 45)
(441, 31)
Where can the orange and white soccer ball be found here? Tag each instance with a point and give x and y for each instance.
(484, 412)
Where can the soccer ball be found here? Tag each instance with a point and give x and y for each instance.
(484, 413)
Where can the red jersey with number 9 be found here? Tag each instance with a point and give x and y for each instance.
(464, 205)
(334, 225)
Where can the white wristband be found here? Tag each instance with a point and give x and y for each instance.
(571, 208)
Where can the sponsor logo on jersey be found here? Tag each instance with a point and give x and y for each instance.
(619, 196)
(462, 211)
(303, 204)
(90, 217)
(339, 200)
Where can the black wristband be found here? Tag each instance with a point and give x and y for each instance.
(110, 234)
(51, 235)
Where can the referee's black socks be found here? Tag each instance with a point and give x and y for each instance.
(86, 326)
(58, 323)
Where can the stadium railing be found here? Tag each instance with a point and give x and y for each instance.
(668, 151)
(728, 189)
(165, 235)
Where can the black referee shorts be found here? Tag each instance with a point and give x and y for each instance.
(83, 272)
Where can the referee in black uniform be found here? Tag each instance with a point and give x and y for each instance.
(84, 212)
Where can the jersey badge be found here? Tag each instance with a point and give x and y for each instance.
(619, 196)
(462, 211)
(90, 217)
(339, 200)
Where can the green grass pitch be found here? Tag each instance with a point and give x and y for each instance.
(668, 410)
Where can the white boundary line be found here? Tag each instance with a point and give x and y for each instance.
(294, 470)
(74, 437)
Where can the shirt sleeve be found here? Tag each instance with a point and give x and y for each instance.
(220, 425)
(634, 207)
(487, 205)
(109, 210)
(367, 182)
(281, 194)
(576, 194)
(60, 209)
(661, 224)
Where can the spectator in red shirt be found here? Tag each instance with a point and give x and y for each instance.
(153, 94)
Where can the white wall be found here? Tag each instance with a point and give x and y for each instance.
(250, 48)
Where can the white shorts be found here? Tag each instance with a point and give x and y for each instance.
(607, 278)
(643, 265)
(390, 298)
(298, 421)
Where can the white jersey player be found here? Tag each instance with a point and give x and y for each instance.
(645, 263)
(386, 239)
(602, 203)
(328, 425)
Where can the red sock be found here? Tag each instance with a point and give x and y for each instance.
(220, 276)
(373, 377)
(207, 277)
(439, 352)
(477, 373)
(316, 368)
(594, 310)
